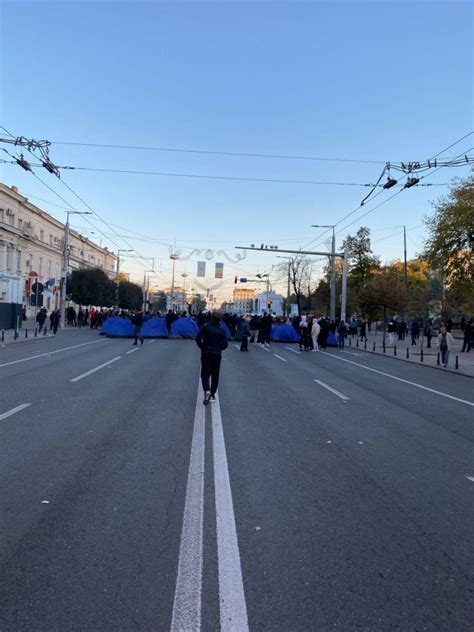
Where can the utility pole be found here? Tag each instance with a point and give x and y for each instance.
(290, 261)
(65, 267)
(405, 255)
(345, 269)
(332, 299)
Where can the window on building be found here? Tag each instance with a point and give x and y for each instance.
(40, 269)
(19, 223)
(9, 258)
(42, 235)
(12, 219)
(2, 215)
(50, 240)
(49, 268)
(18, 261)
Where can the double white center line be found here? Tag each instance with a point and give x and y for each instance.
(188, 593)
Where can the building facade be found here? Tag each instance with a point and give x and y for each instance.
(243, 301)
(31, 247)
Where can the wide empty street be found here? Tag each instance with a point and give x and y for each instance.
(322, 491)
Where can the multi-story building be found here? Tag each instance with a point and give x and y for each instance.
(31, 247)
(243, 301)
(176, 300)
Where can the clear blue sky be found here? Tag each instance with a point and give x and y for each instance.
(363, 80)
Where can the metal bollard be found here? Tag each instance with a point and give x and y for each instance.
(350, 342)
(3, 335)
(45, 331)
(26, 333)
(421, 354)
(374, 346)
(357, 343)
(394, 350)
(36, 332)
(383, 347)
(16, 335)
(365, 343)
(456, 366)
(438, 362)
(408, 353)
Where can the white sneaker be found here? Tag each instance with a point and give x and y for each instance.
(207, 398)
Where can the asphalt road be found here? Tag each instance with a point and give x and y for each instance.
(324, 491)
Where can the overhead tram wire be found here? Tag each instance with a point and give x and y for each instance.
(84, 203)
(310, 243)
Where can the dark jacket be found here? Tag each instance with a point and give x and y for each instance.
(211, 339)
(137, 320)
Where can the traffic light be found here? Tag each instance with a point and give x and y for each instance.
(235, 279)
(269, 304)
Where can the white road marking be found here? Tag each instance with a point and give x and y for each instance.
(41, 355)
(188, 592)
(400, 379)
(13, 411)
(132, 350)
(97, 368)
(359, 355)
(293, 350)
(233, 609)
(151, 341)
(237, 347)
(279, 357)
(261, 347)
(333, 390)
(471, 478)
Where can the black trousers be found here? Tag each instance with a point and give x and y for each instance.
(210, 366)
(244, 346)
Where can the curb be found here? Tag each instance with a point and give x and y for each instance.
(426, 366)
(22, 340)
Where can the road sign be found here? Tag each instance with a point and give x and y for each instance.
(37, 288)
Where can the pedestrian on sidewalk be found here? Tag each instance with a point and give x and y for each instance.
(468, 335)
(414, 332)
(341, 334)
(445, 344)
(137, 322)
(212, 340)
(54, 320)
(315, 330)
(429, 334)
(40, 318)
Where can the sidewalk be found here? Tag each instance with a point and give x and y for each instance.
(429, 358)
(27, 332)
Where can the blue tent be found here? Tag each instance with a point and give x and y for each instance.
(226, 329)
(332, 342)
(155, 328)
(104, 330)
(284, 333)
(118, 328)
(184, 327)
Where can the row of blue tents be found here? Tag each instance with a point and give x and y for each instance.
(184, 327)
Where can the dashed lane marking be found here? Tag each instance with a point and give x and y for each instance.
(400, 379)
(471, 478)
(292, 350)
(237, 347)
(262, 347)
(152, 341)
(279, 357)
(11, 412)
(333, 390)
(97, 368)
(132, 350)
(42, 355)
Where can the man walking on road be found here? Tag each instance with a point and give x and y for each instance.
(137, 322)
(212, 340)
(445, 344)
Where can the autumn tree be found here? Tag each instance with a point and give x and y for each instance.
(91, 286)
(450, 242)
(130, 295)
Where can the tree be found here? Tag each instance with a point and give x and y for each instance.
(362, 261)
(130, 295)
(384, 293)
(450, 243)
(300, 270)
(91, 286)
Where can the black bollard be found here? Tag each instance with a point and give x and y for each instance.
(438, 360)
(456, 366)
(3, 335)
(350, 342)
(365, 344)
(408, 353)
(374, 346)
(395, 350)
(357, 343)
(45, 331)
(16, 335)
(36, 332)
(383, 347)
(26, 333)
(421, 354)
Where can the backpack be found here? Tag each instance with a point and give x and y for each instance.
(444, 343)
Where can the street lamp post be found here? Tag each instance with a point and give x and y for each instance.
(290, 261)
(65, 267)
(332, 299)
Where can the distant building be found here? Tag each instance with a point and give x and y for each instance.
(244, 300)
(176, 300)
(269, 302)
(31, 247)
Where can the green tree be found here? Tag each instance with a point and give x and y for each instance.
(91, 286)
(362, 261)
(130, 295)
(384, 294)
(450, 242)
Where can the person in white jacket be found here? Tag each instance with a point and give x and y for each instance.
(445, 344)
(315, 329)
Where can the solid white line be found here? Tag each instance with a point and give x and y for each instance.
(352, 353)
(13, 411)
(233, 608)
(400, 379)
(187, 596)
(97, 368)
(41, 355)
(293, 350)
(279, 357)
(471, 478)
(132, 350)
(150, 341)
(333, 390)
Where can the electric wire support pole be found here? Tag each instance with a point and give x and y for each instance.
(332, 305)
(405, 255)
(65, 269)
